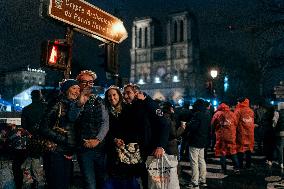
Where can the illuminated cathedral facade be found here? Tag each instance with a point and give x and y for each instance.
(165, 56)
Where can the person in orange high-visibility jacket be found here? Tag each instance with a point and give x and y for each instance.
(245, 131)
(225, 125)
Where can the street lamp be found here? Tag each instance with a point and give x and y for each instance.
(213, 74)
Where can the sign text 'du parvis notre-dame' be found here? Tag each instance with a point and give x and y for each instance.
(89, 18)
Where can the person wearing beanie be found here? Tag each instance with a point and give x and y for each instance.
(67, 84)
(58, 126)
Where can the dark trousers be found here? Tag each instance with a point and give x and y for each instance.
(58, 170)
(279, 148)
(92, 164)
(184, 149)
(247, 157)
(19, 156)
(223, 161)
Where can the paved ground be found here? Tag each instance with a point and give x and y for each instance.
(261, 176)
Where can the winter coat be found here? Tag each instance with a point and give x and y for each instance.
(64, 135)
(149, 119)
(198, 128)
(175, 133)
(93, 121)
(121, 128)
(245, 127)
(32, 115)
(225, 125)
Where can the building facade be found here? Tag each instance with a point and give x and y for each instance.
(165, 56)
(18, 81)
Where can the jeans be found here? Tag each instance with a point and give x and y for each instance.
(248, 158)
(234, 159)
(92, 164)
(198, 165)
(279, 147)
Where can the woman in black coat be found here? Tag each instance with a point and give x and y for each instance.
(58, 163)
(123, 174)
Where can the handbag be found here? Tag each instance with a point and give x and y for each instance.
(39, 145)
(162, 173)
(129, 154)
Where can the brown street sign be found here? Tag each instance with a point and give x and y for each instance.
(89, 18)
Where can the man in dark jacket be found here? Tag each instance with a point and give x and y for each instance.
(148, 117)
(198, 129)
(30, 118)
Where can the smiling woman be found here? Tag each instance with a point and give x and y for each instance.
(58, 127)
(71, 89)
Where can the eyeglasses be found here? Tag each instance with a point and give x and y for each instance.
(85, 82)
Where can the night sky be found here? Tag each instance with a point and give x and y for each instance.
(225, 31)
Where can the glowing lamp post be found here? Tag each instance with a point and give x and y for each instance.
(213, 74)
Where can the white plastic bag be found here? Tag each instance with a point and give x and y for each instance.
(6, 176)
(33, 172)
(162, 173)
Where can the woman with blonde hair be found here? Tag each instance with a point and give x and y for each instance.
(123, 173)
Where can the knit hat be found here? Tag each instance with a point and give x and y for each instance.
(67, 84)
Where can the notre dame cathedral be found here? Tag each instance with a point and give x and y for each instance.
(165, 56)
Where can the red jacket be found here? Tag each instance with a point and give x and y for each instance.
(225, 125)
(245, 127)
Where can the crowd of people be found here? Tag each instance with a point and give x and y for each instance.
(78, 123)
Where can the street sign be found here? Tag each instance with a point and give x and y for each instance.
(89, 18)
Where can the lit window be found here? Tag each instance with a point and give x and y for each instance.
(157, 80)
(175, 79)
(141, 82)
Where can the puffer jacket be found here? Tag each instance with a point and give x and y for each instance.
(93, 121)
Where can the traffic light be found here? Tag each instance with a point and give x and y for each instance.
(111, 58)
(109, 55)
(55, 54)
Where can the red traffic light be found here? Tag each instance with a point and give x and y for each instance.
(55, 54)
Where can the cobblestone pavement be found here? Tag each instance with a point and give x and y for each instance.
(260, 176)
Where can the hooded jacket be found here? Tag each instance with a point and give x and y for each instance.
(245, 126)
(225, 124)
(198, 127)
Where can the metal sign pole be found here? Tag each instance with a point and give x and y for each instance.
(69, 39)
